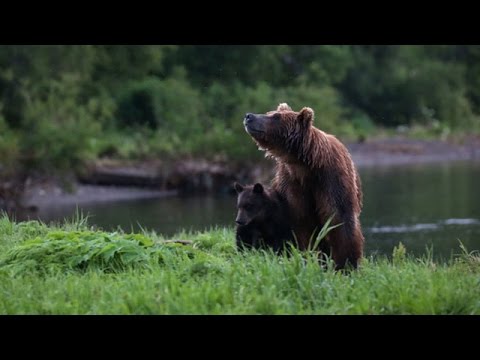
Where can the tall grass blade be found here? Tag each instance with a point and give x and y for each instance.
(323, 233)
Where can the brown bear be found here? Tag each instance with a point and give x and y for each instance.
(316, 175)
(262, 218)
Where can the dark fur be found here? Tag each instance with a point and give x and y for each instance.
(262, 218)
(317, 177)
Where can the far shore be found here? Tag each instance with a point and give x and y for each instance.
(389, 152)
(398, 151)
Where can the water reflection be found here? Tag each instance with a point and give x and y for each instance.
(425, 205)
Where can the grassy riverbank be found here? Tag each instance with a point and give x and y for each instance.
(72, 269)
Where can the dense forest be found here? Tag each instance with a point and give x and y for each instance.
(62, 106)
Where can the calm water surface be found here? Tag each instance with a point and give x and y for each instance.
(423, 205)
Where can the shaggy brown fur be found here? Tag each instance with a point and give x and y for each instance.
(317, 177)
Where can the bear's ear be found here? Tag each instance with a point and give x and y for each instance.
(284, 107)
(305, 116)
(238, 187)
(258, 188)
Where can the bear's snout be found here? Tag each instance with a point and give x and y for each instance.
(253, 123)
(248, 118)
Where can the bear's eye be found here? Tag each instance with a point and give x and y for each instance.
(248, 207)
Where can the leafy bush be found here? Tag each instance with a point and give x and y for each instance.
(77, 250)
(325, 101)
(63, 105)
(409, 84)
(61, 250)
(170, 105)
(136, 104)
(59, 128)
(9, 149)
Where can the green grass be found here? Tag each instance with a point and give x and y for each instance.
(71, 269)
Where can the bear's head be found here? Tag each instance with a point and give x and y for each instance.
(280, 132)
(252, 204)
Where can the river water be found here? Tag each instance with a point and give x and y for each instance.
(433, 206)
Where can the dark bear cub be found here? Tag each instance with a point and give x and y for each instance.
(262, 218)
